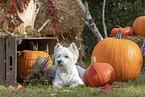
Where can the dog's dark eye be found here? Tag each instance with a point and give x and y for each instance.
(58, 56)
(66, 57)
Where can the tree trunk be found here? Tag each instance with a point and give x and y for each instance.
(90, 21)
(103, 18)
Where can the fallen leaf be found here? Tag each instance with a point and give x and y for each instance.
(10, 95)
(108, 85)
(21, 89)
(19, 86)
(66, 90)
(53, 94)
(94, 93)
(10, 87)
(15, 90)
(107, 88)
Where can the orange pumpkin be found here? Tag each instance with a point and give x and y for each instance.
(98, 74)
(124, 55)
(139, 26)
(127, 31)
(26, 60)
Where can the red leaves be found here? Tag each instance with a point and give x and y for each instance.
(12, 7)
(13, 20)
(12, 89)
(19, 88)
(55, 20)
(107, 88)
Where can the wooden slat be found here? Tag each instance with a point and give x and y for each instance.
(11, 61)
(40, 38)
(2, 60)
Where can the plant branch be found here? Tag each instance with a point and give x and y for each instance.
(43, 25)
(37, 10)
(1, 30)
(89, 19)
(103, 15)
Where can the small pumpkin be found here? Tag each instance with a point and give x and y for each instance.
(98, 74)
(139, 26)
(124, 55)
(127, 31)
(26, 60)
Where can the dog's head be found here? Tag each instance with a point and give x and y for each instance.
(65, 56)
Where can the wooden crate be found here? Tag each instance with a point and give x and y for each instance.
(10, 47)
(2, 60)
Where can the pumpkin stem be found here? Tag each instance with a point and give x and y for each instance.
(93, 59)
(118, 26)
(118, 35)
(34, 48)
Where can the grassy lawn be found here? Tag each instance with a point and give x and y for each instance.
(134, 88)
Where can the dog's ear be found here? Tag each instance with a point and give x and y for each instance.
(74, 48)
(58, 45)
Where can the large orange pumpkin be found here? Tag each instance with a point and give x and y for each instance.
(127, 31)
(124, 55)
(98, 74)
(26, 60)
(139, 26)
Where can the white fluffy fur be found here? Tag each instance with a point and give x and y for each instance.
(67, 73)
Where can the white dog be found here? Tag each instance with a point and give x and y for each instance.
(67, 73)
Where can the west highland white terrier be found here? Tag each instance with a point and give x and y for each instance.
(67, 73)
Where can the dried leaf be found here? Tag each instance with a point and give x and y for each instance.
(17, 22)
(107, 88)
(21, 89)
(19, 86)
(12, 21)
(66, 90)
(7, 15)
(53, 94)
(10, 95)
(10, 87)
(108, 85)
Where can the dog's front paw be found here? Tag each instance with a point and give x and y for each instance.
(57, 85)
(73, 86)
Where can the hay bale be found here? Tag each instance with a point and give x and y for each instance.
(72, 18)
(137, 39)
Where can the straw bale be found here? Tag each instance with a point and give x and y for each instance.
(70, 16)
(137, 39)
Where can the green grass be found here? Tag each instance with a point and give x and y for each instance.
(134, 88)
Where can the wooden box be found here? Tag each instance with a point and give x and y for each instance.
(10, 47)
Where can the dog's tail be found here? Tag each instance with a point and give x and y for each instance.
(80, 71)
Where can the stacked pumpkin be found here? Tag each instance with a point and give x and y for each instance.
(138, 28)
(123, 55)
(127, 31)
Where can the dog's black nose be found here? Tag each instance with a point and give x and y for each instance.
(59, 62)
